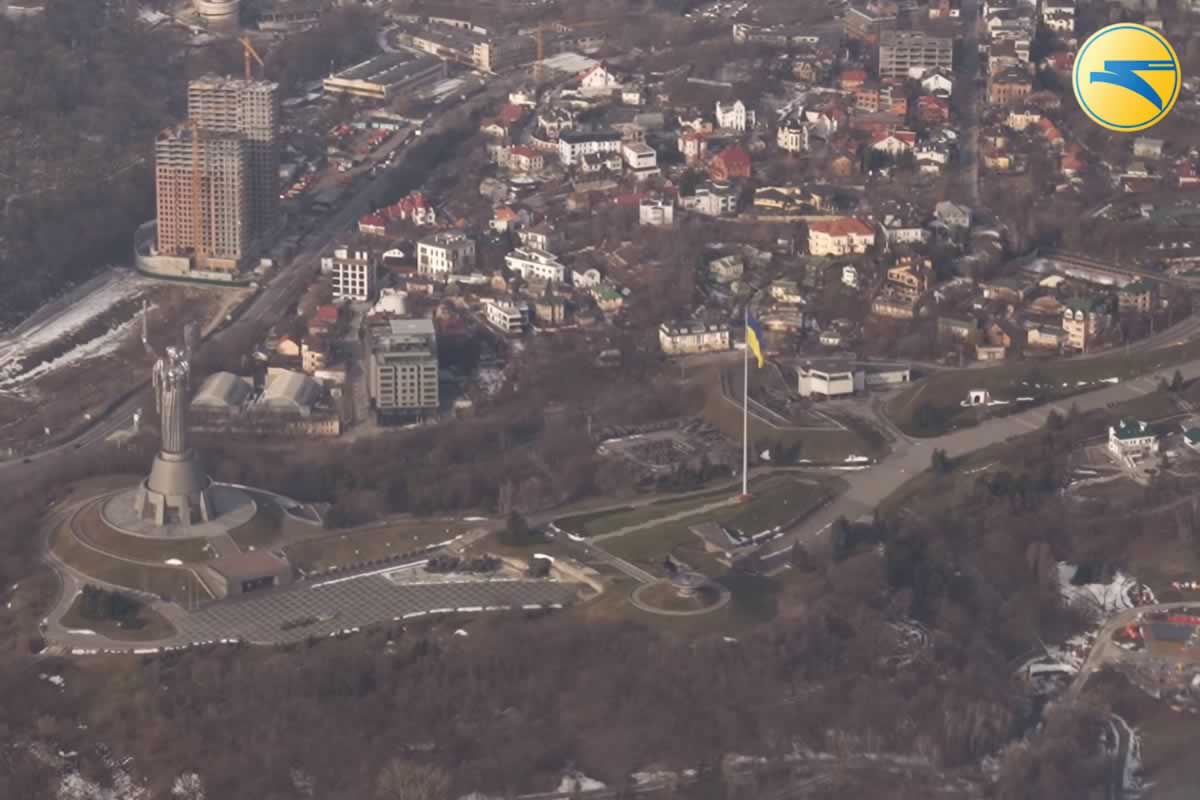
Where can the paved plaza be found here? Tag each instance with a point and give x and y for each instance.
(327, 607)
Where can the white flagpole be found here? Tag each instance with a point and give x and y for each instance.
(746, 406)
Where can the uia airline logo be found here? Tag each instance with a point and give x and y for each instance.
(1126, 77)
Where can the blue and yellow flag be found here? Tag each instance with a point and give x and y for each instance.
(755, 338)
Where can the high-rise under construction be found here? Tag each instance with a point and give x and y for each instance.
(218, 176)
(202, 180)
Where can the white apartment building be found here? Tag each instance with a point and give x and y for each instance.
(504, 316)
(351, 274)
(573, 145)
(537, 265)
(692, 336)
(734, 116)
(656, 211)
(443, 254)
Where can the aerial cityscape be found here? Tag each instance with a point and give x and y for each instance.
(547, 399)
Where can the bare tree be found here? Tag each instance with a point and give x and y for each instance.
(406, 780)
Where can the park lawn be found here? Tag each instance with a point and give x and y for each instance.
(945, 390)
(337, 548)
(779, 501)
(149, 625)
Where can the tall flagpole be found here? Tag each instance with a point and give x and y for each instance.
(746, 405)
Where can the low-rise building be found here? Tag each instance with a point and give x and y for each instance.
(573, 144)
(792, 136)
(829, 379)
(1084, 319)
(506, 317)
(732, 162)
(1131, 439)
(712, 199)
(656, 210)
(839, 236)
(693, 336)
(910, 276)
(734, 116)
(893, 305)
(535, 265)
(1136, 297)
(444, 254)
(642, 159)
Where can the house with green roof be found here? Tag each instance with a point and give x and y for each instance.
(1131, 439)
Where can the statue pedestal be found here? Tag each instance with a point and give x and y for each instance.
(176, 492)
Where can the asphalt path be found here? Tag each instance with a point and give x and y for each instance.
(909, 457)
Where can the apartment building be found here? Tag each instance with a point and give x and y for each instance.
(902, 51)
(506, 317)
(351, 274)
(536, 265)
(203, 196)
(573, 145)
(443, 254)
(250, 110)
(402, 369)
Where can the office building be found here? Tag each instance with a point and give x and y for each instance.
(403, 368)
(351, 274)
(444, 254)
(249, 109)
(905, 52)
(203, 196)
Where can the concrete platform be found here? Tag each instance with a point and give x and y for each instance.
(232, 508)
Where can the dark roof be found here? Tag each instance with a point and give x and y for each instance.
(575, 136)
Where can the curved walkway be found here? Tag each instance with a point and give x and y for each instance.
(635, 598)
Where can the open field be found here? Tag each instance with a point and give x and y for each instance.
(778, 502)
(149, 626)
(1044, 380)
(367, 544)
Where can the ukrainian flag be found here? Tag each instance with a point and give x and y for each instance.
(755, 338)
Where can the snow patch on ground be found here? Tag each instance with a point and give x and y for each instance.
(87, 308)
(578, 782)
(100, 346)
(1099, 599)
(74, 786)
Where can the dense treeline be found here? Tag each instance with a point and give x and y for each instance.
(520, 699)
(83, 90)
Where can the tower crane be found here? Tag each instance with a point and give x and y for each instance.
(248, 53)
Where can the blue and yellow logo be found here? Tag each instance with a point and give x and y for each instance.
(1126, 77)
